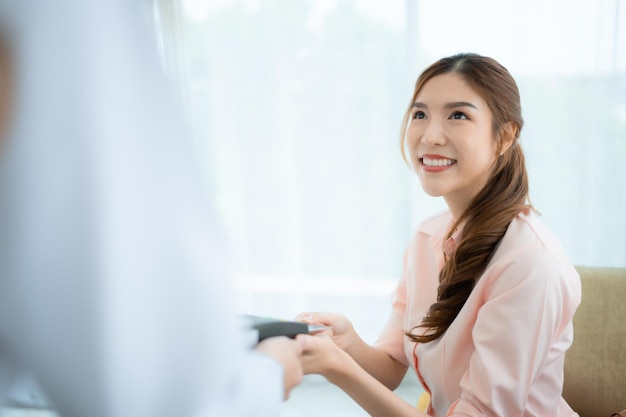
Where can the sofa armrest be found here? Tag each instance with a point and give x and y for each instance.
(595, 365)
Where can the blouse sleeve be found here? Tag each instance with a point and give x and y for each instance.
(521, 331)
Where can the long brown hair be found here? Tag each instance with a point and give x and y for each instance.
(489, 214)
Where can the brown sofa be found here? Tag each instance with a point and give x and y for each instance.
(595, 365)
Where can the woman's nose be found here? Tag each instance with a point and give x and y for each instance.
(434, 134)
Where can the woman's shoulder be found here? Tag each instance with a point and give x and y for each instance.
(529, 248)
(526, 231)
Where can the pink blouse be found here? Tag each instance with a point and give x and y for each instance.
(503, 354)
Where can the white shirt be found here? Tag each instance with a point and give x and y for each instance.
(115, 287)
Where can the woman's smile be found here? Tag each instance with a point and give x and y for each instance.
(435, 163)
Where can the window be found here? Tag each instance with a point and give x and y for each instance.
(296, 109)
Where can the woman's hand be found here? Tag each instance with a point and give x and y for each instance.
(320, 355)
(341, 331)
(375, 361)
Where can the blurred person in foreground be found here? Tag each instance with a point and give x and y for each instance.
(114, 285)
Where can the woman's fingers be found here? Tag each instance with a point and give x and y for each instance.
(320, 355)
(304, 317)
(327, 319)
(339, 327)
(314, 353)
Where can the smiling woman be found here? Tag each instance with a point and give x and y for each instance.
(483, 311)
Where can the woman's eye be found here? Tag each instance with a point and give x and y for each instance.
(457, 115)
(419, 115)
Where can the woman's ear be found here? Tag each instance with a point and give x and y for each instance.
(508, 133)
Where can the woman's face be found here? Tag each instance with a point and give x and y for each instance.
(450, 140)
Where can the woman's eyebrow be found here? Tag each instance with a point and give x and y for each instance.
(459, 104)
(455, 104)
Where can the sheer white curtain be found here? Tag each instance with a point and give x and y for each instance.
(296, 108)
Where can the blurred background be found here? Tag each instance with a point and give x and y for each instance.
(296, 109)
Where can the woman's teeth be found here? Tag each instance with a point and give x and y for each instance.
(437, 162)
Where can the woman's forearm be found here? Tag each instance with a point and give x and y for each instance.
(377, 363)
(370, 394)
(322, 356)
